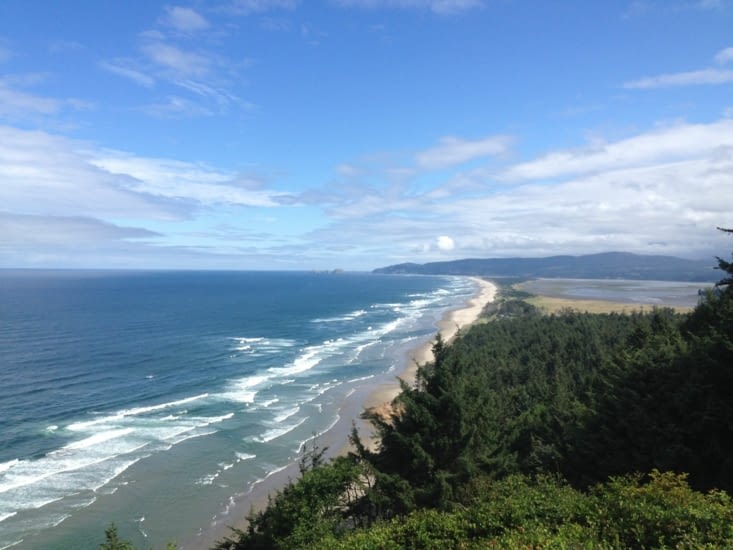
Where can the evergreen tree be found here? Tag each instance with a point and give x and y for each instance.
(725, 266)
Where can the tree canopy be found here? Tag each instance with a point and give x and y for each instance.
(531, 431)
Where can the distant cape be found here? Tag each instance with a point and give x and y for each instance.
(607, 265)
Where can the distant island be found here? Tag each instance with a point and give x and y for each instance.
(607, 265)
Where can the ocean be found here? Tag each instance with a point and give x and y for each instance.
(160, 400)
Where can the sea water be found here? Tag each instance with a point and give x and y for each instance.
(154, 400)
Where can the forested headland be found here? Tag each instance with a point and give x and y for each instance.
(570, 430)
(606, 265)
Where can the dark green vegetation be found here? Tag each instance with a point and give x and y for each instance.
(532, 431)
(609, 265)
(527, 432)
(114, 542)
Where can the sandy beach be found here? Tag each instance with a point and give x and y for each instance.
(448, 327)
(336, 439)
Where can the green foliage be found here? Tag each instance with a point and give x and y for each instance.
(725, 266)
(664, 512)
(113, 541)
(587, 396)
(306, 510)
(518, 512)
(475, 453)
(509, 302)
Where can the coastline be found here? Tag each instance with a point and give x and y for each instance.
(336, 439)
(453, 320)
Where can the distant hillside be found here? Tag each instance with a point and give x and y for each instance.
(608, 265)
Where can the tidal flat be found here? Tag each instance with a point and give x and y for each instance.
(611, 295)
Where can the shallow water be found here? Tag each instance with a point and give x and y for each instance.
(156, 400)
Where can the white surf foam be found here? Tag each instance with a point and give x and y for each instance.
(192, 436)
(287, 413)
(7, 515)
(244, 456)
(153, 408)
(341, 318)
(135, 411)
(100, 451)
(274, 433)
(5, 466)
(242, 390)
(361, 379)
(315, 436)
(261, 344)
(305, 362)
(96, 439)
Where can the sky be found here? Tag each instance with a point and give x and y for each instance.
(354, 134)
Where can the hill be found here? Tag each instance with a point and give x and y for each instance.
(607, 265)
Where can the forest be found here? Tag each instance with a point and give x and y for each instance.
(570, 430)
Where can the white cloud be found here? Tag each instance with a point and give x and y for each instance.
(452, 151)
(708, 4)
(86, 242)
(677, 142)
(183, 63)
(20, 231)
(444, 7)
(16, 104)
(184, 19)
(172, 179)
(724, 56)
(663, 191)
(639, 8)
(167, 57)
(657, 208)
(248, 7)
(47, 175)
(704, 76)
(688, 78)
(349, 170)
(445, 243)
(43, 174)
(441, 7)
(202, 73)
(119, 68)
(177, 107)
(220, 96)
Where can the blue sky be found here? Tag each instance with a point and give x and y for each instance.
(286, 134)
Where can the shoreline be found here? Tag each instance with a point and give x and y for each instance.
(336, 439)
(453, 320)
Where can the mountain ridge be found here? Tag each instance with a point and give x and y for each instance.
(604, 265)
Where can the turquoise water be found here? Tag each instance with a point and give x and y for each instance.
(158, 400)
